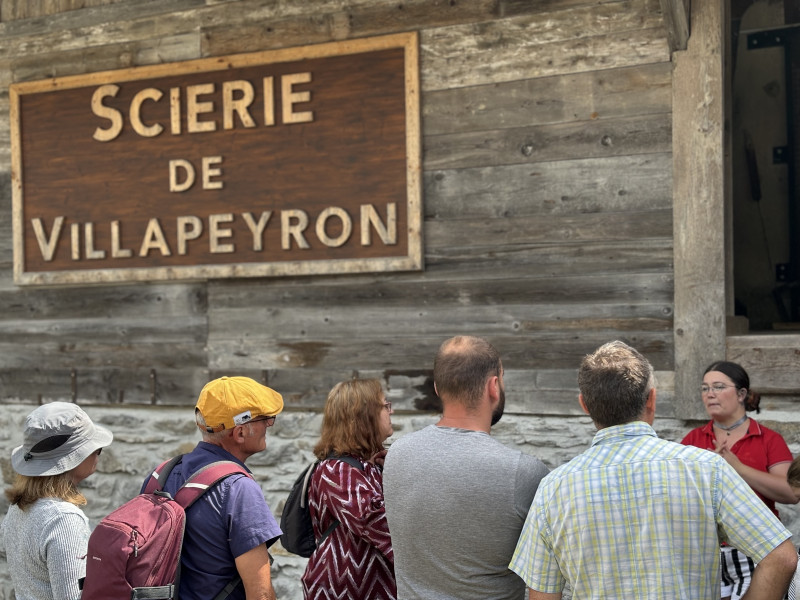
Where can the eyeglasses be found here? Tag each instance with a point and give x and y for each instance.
(99, 450)
(221, 427)
(387, 406)
(716, 388)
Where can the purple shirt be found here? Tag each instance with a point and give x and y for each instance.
(227, 521)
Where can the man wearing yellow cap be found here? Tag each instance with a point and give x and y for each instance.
(230, 527)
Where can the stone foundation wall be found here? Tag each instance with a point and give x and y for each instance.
(143, 436)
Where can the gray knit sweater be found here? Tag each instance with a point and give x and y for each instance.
(45, 546)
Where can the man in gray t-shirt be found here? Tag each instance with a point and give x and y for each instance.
(456, 499)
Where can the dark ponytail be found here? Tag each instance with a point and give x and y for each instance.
(752, 401)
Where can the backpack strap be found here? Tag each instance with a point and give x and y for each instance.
(307, 482)
(159, 477)
(334, 524)
(205, 479)
(350, 460)
(228, 589)
(161, 592)
(197, 485)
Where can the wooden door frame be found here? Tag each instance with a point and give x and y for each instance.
(702, 214)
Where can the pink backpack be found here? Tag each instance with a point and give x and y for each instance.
(135, 551)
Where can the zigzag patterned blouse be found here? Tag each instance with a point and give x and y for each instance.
(356, 561)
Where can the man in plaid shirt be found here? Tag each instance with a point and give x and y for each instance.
(639, 517)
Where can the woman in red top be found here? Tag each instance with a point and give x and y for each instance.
(356, 560)
(760, 455)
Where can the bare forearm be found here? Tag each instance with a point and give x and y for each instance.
(254, 569)
(262, 595)
(773, 574)
(772, 485)
(262, 591)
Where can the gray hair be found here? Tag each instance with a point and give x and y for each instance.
(208, 436)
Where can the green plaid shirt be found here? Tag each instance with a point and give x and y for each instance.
(639, 517)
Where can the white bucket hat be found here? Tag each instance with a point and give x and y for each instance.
(57, 438)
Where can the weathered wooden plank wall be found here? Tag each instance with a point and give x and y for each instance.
(11, 10)
(547, 196)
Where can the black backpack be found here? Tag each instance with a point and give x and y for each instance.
(298, 533)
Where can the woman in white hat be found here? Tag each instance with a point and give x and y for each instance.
(45, 534)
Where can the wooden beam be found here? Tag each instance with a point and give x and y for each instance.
(676, 20)
(699, 194)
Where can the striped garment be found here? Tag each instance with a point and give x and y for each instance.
(638, 517)
(356, 561)
(45, 546)
(736, 570)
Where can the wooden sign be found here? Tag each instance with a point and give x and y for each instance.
(290, 162)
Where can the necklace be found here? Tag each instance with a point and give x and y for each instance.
(728, 428)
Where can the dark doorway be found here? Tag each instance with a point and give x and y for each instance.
(765, 162)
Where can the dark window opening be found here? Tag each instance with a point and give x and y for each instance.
(765, 162)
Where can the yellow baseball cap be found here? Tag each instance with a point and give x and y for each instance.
(230, 401)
